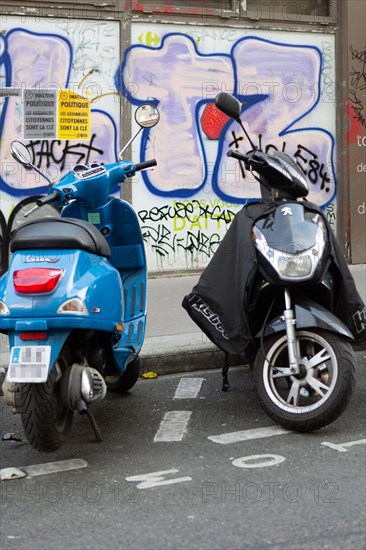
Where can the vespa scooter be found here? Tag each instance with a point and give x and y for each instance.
(73, 302)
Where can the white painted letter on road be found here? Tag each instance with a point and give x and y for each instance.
(341, 447)
(154, 479)
(258, 461)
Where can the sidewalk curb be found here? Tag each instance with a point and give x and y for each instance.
(170, 362)
(181, 353)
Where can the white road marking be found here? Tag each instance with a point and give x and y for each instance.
(246, 435)
(341, 447)
(154, 479)
(53, 467)
(11, 473)
(173, 426)
(188, 388)
(266, 460)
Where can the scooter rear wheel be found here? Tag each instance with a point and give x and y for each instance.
(46, 421)
(319, 393)
(125, 381)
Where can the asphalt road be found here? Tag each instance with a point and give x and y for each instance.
(138, 490)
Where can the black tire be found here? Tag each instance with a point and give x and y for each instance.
(320, 394)
(125, 381)
(46, 421)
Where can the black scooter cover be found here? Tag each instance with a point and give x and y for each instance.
(219, 301)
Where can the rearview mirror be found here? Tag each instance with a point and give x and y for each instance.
(20, 153)
(229, 105)
(147, 115)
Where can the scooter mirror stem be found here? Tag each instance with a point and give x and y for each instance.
(254, 147)
(42, 174)
(120, 156)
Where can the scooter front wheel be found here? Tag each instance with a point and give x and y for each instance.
(46, 421)
(319, 393)
(123, 382)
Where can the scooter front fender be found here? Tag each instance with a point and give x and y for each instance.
(308, 315)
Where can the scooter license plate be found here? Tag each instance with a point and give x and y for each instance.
(29, 364)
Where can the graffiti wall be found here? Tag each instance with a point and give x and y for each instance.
(285, 82)
(46, 54)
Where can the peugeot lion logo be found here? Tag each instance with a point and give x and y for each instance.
(286, 211)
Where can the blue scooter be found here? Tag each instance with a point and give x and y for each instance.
(73, 302)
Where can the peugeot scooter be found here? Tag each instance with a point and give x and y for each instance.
(279, 293)
(73, 302)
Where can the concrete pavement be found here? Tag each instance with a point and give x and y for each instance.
(173, 342)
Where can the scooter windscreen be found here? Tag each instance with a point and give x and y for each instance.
(281, 173)
(293, 240)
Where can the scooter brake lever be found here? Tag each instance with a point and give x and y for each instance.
(31, 211)
(146, 169)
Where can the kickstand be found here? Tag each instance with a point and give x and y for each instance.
(98, 435)
(82, 408)
(225, 370)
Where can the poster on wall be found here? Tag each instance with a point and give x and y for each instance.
(285, 82)
(68, 64)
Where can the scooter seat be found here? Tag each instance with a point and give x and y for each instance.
(59, 233)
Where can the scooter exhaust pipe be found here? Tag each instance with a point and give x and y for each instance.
(93, 387)
(81, 382)
(81, 386)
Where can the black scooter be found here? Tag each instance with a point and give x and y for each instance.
(279, 293)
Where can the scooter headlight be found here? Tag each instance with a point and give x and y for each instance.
(74, 306)
(4, 310)
(298, 266)
(294, 265)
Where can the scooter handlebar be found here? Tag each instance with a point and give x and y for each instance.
(253, 159)
(238, 156)
(145, 164)
(52, 197)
